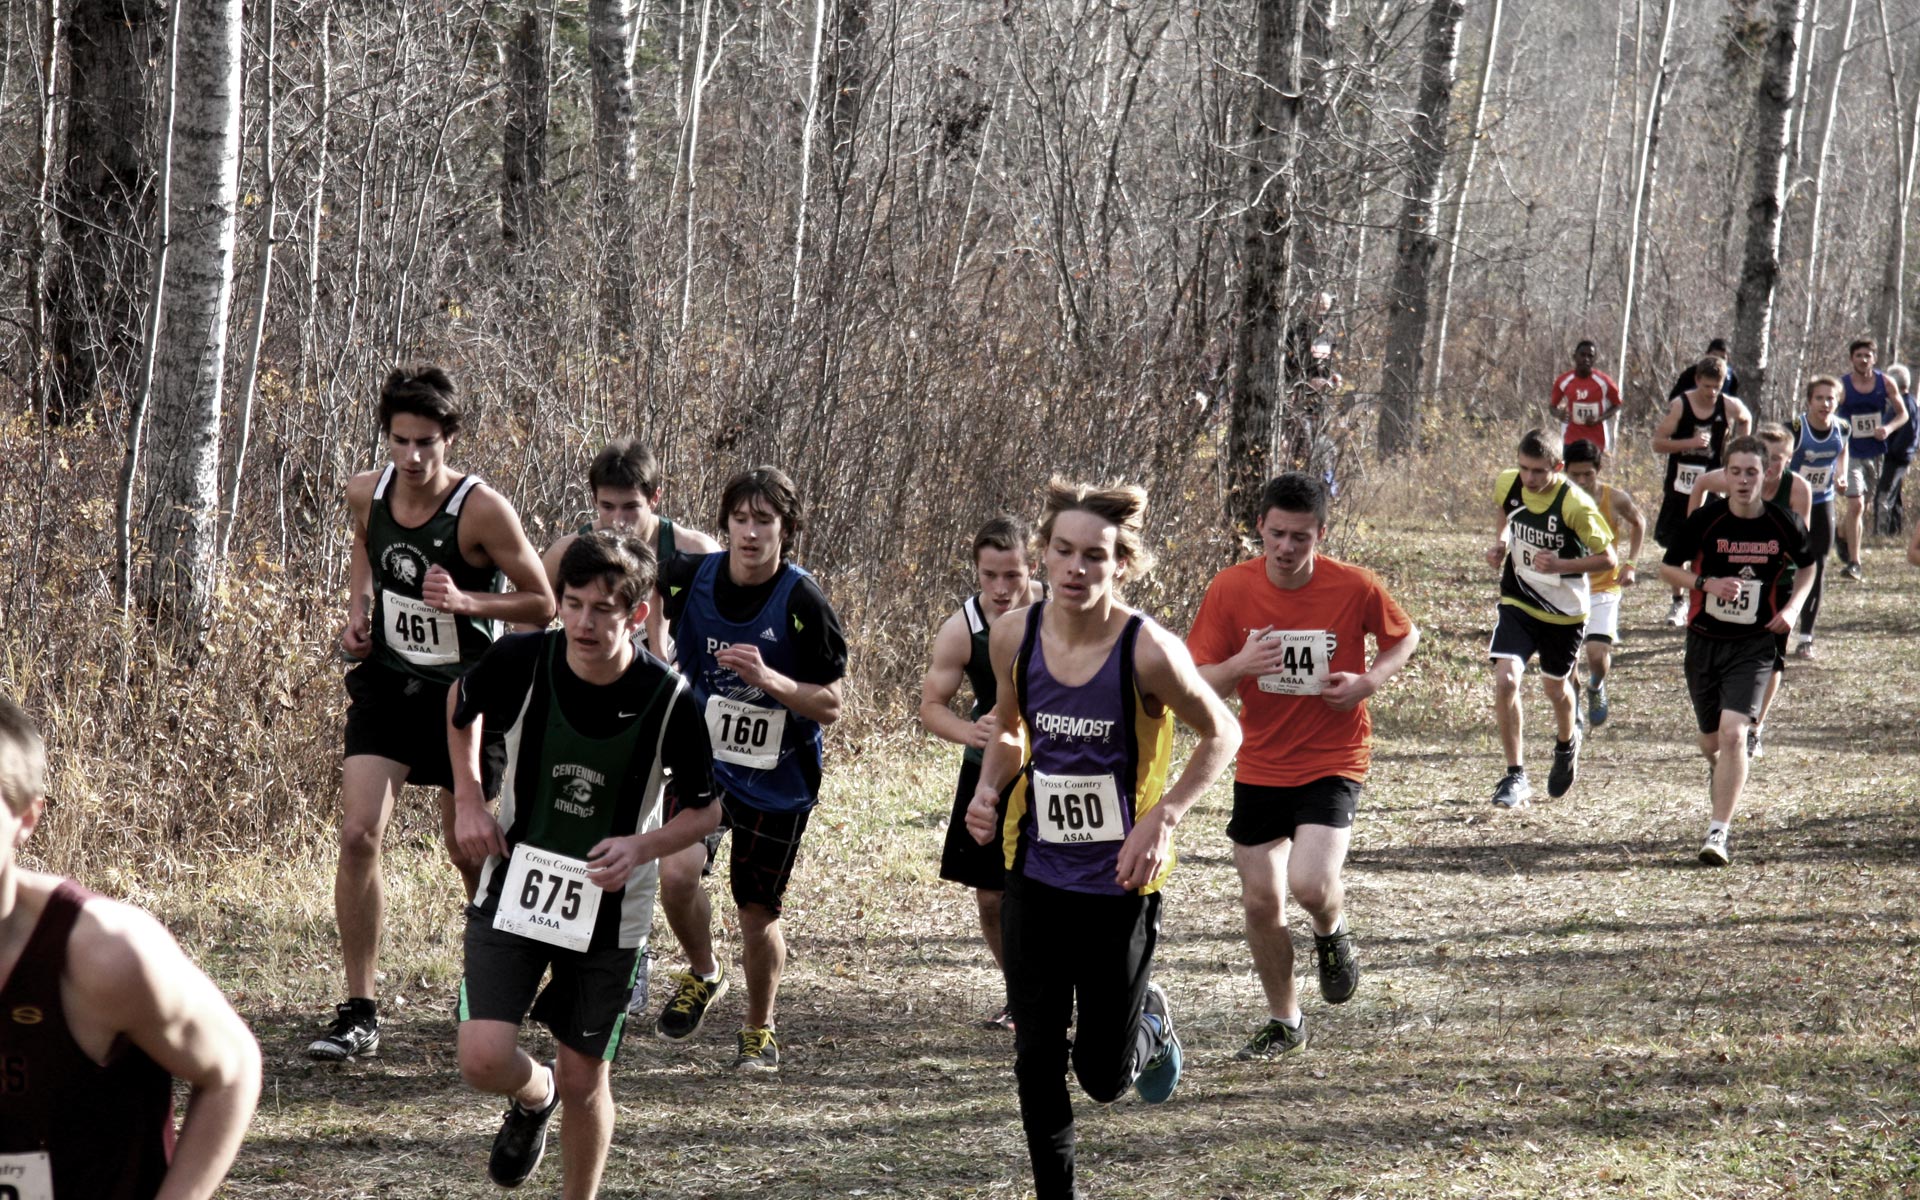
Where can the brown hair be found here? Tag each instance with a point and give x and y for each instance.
(1773, 433)
(771, 488)
(1120, 505)
(1004, 532)
(23, 758)
(424, 393)
(1744, 444)
(1538, 443)
(1818, 380)
(627, 564)
(625, 463)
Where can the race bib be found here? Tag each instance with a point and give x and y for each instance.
(1068, 810)
(1686, 476)
(1864, 423)
(1818, 478)
(1586, 412)
(1526, 558)
(1307, 657)
(417, 632)
(548, 897)
(746, 735)
(1743, 609)
(26, 1176)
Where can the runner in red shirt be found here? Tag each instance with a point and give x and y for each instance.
(1586, 400)
(1288, 632)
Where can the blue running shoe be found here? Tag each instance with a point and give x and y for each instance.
(1161, 1075)
(1597, 707)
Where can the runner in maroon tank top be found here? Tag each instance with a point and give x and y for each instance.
(99, 1012)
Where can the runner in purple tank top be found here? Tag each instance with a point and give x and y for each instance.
(105, 1012)
(1093, 687)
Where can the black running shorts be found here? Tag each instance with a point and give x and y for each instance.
(763, 848)
(1728, 675)
(585, 1004)
(1263, 814)
(963, 860)
(399, 717)
(1519, 634)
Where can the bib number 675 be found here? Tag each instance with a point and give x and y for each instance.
(566, 891)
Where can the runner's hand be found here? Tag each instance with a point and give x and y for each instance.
(1725, 587)
(1344, 690)
(1549, 563)
(983, 814)
(357, 638)
(744, 660)
(1496, 554)
(439, 591)
(1628, 576)
(474, 829)
(1259, 656)
(1783, 620)
(1146, 851)
(984, 730)
(612, 862)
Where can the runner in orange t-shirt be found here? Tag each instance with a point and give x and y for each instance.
(1288, 632)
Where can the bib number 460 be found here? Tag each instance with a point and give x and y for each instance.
(1076, 810)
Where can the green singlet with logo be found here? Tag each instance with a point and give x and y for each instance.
(409, 635)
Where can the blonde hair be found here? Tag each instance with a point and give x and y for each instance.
(1120, 505)
(23, 759)
(1773, 433)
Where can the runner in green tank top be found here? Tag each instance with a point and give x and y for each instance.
(430, 547)
(1004, 574)
(593, 725)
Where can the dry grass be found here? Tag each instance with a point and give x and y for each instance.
(1557, 1002)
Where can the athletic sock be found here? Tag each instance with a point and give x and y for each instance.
(1516, 770)
(1292, 1022)
(1714, 827)
(364, 1006)
(704, 978)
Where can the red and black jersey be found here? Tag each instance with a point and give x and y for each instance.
(107, 1131)
(1759, 552)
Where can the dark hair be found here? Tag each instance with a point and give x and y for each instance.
(1587, 342)
(1004, 532)
(624, 464)
(771, 488)
(1294, 492)
(424, 393)
(1120, 505)
(1746, 443)
(1709, 368)
(1538, 443)
(1583, 450)
(1717, 344)
(1822, 381)
(23, 758)
(627, 564)
(1859, 344)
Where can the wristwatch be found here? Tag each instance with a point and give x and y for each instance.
(1699, 583)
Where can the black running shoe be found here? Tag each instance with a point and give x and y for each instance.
(1566, 764)
(355, 1031)
(692, 997)
(522, 1140)
(1276, 1038)
(1515, 790)
(1339, 968)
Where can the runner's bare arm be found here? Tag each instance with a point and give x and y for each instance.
(475, 830)
(612, 861)
(1633, 523)
(357, 638)
(814, 701)
(123, 963)
(1714, 482)
(1167, 674)
(550, 564)
(1790, 611)
(1344, 690)
(1801, 499)
(1664, 441)
(941, 684)
(1503, 528)
(1256, 658)
(1739, 418)
(1899, 417)
(495, 533)
(1913, 546)
(1002, 759)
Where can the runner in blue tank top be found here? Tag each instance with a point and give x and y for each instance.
(1870, 410)
(1093, 687)
(1819, 457)
(765, 655)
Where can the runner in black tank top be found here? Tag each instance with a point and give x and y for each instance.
(1693, 442)
(432, 548)
(91, 991)
(1005, 578)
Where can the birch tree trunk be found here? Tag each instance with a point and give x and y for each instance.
(262, 283)
(1889, 305)
(806, 159)
(1407, 299)
(523, 173)
(696, 89)
(1772, 140)
(1256, 390)
(1643, 180)
(1457, 226)
(48, 66)
(610, 50)
(1817, 187)
(1606, 151)
(183, 493)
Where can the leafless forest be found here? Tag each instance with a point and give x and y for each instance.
(920, 254)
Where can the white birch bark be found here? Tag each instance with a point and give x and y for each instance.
(610, 25)
(1772, 140)
(806, 159)
(262, 285)
(1451, 246)
(1642, 174)
(1817, 186)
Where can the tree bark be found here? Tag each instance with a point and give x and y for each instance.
(1458, 225)
(523, 178)
(47, 67)
(610, 26)
(1817, 186)
(1606, 152)
(262, 282)
(1257, 390)
(1774, 103)
(1643, 179)
(94, 301)
(183, 493)
(806, 159)
(1407, 299)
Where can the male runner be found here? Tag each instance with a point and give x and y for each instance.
(1623, 516)
(1729, 383)
(1734, 557)
(1871, 409)
(592, 723)
(1550, 537)
(1819, 457)
(103, 1012)
(1693, 436)
(1780, 486)
(1005, 579)
(1585, 400)
(1288, 632)
(1889, 499)
(765, 655)
(429, 548)
(626, 484)
(1086, 695)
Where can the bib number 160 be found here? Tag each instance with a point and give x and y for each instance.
(739, 729)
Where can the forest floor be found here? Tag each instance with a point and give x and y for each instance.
(1556, 1002)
